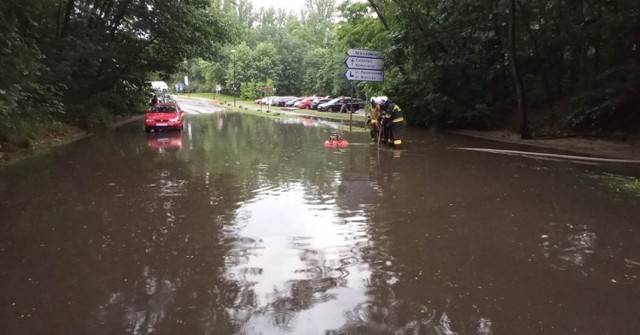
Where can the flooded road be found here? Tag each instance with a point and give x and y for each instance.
(248, 225)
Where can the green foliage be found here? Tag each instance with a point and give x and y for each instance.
(85, 60)
(280, 47)
(446, 62)
(26, 100)
(618, 183)
(610, 103)
(453, 70)
(266, 62)
(249, 90)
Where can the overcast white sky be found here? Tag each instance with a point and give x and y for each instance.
(294, 5)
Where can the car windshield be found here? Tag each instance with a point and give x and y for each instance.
(163, 109)
(334, 101)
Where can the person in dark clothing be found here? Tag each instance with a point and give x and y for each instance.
(393, 122)
(154, 100)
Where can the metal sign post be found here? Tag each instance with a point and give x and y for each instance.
(264, 90)
(351, 114)
(363, 65)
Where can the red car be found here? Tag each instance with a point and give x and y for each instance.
(166, 115)
(306, 103)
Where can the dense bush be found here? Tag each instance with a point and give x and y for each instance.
(83, 61)
(610, 103)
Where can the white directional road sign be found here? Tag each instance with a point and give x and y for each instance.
(364, 75)
(364, 63)
(364, 53)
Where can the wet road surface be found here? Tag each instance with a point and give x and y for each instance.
(248, 225)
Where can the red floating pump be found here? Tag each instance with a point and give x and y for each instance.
(335, 141)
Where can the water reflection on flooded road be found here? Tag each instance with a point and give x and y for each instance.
(243, 225)
(315, 258)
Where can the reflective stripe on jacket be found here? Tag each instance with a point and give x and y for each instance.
(393, 113)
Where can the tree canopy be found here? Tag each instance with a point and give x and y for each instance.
(452, 63)
(553, 64)
(81, 60)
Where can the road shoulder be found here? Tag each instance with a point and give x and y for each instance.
(598, 147)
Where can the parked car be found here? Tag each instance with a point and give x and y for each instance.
(318, 101)
(164, 116)
(322, 106)
(264, 101)
(336, 104)
(306, 103)
(272, 101)
(291, 103)
(283, 100)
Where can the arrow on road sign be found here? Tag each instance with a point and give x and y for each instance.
(364, 63)
(363, 75)
(364, 53)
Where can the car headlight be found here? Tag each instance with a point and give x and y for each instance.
(175, 119)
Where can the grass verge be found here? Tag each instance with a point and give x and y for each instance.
(40, 140)
(619, 183)
(249, 107)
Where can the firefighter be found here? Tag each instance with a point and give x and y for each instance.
(377, 119)
(393, 122)
(374, 119)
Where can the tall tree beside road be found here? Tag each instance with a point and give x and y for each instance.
(26, 98)
(94, 55)
(578, 61)
(318, 15)
(361, 30)
(450, 63)
(515, 73)
(242, 69)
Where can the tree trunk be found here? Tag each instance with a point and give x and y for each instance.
(525, 133)
(379, 13)
(64, 31)
(540, 61)
(120, 14)
(59, 14)
(598, 43)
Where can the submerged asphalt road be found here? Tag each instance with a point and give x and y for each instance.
(248, 225)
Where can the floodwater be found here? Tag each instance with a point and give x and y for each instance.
(246, 225)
